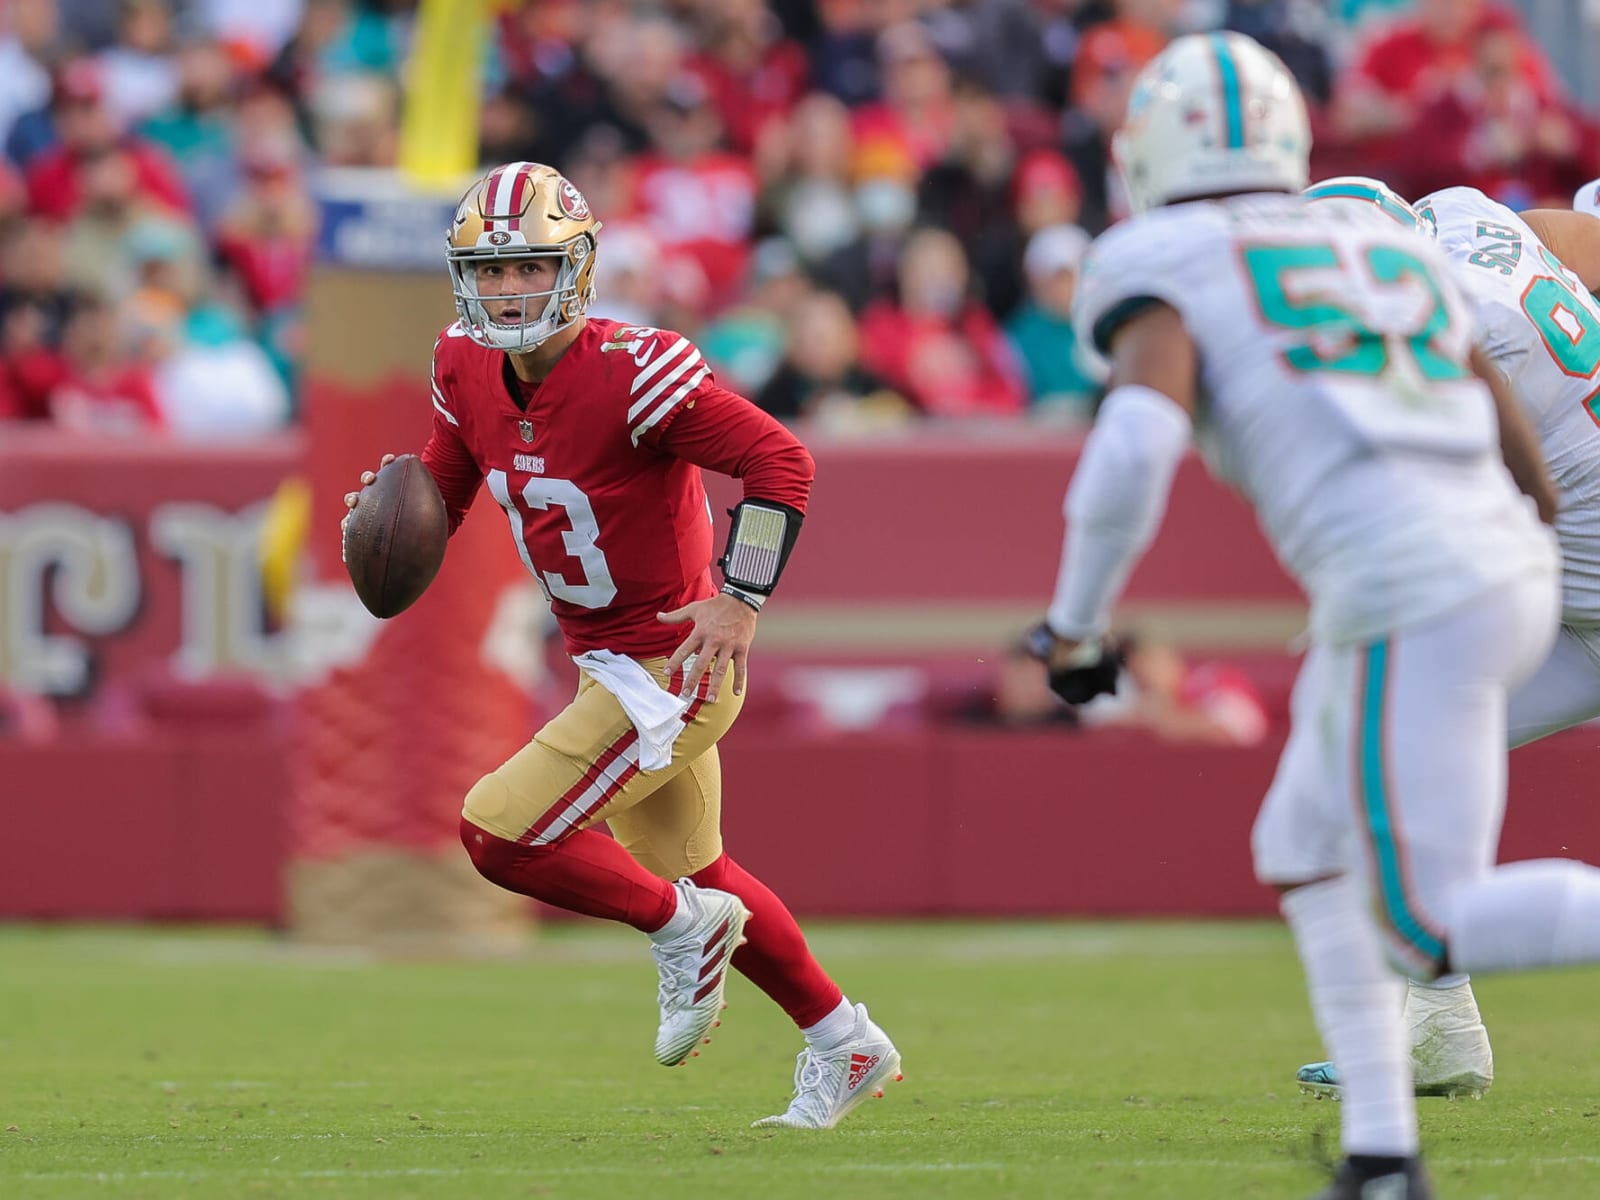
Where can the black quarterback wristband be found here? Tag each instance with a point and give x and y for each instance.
(760, 540)
(744, 597)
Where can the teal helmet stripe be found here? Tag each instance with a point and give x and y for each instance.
(1390, 204)
(1232, 106)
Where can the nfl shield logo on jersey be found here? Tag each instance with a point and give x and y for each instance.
(525, 428)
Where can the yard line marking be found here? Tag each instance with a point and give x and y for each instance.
(1142, 1164)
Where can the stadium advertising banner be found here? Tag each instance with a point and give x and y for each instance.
(372, 220)
(124, 560)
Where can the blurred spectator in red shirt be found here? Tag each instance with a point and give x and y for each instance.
(100, 391)
(917, 110)
(754, 73)
(268, 233)
(34, 305)
(1493, 129)
(87, 130)
(697, 199)
(1410, 64)
(1212, 702)
(935, 344)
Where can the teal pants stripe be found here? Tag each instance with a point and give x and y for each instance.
(1377, 808)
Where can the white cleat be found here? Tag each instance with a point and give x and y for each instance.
(1450, 1052)
(694, 971)
(829, 1083)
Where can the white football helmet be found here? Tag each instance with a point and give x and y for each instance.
(1359, 189)
(1212, 114)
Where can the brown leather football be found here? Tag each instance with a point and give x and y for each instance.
(395, 539)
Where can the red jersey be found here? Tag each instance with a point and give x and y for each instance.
(704, 207)
(598, 471)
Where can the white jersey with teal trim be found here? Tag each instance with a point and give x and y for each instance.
(1542, 328)
(1335, 395)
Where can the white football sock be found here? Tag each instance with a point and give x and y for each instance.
(1544, 913)
(679, 923)
(1356, 1000)
(834, 1028)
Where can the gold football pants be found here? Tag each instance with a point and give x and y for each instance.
(583, 768)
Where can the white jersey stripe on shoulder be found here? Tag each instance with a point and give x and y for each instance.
(438, 403)
(662, 384)
(669, 404)
(661, 360)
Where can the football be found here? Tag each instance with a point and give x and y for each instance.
(395, 538)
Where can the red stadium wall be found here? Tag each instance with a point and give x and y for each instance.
(163, 789)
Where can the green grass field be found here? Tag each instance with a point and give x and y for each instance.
(1042, 1060)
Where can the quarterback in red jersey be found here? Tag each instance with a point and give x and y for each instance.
(591, 437)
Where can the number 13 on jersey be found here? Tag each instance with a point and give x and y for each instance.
(596, 589)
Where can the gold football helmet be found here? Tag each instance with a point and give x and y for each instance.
(523, 210)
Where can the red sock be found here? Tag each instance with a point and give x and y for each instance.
(585, 872)
(776, 958)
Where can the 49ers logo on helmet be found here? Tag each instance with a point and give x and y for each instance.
(499, 237)
(572, 201)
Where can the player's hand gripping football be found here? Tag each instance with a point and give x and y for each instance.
(351, 499)
(1079, 671)
(723, 630)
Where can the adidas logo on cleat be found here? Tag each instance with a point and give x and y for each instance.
(860, 1066)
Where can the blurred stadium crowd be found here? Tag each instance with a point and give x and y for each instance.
(866, 211)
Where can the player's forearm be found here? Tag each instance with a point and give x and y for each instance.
(455, 471)
(1573, 237)
(1519, 445)
(724, 432)
(1115, 504)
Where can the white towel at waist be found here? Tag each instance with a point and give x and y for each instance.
(655, 712)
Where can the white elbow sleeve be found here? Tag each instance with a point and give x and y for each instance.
(1115, 503)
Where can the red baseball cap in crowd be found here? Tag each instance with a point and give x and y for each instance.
(1044, 171)
(1114, 47)
(78, 81)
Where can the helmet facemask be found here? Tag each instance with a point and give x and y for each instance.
(543, 314)
(515, 212)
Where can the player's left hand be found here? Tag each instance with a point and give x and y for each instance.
(1079, 671)
(723, 630)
